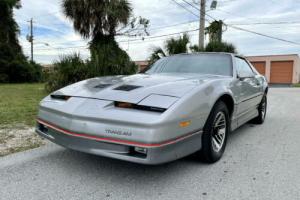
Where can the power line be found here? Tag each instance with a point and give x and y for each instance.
(133, 40)
(264, 35)
(159, 36)
(61, 48)
(151, 29)
(124, 41)
(185, 8)
(178, 24)
(249, 31)
(234, 14)
(266, 23)
(198, 9)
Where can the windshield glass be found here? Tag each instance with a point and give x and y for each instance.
(216, 64)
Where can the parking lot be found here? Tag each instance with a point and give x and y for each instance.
(260, 162)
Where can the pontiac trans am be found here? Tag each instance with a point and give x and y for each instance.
(181, 105)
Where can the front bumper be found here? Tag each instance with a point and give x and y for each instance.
(156, 153)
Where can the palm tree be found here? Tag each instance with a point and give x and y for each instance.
(172, 46)
(100, 19)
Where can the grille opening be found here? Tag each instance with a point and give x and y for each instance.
(127, 87)
(102, 86)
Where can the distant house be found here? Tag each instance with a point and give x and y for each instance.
(142, 65)
(279, 69)
(47, 67)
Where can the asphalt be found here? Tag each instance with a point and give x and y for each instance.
(261, 162)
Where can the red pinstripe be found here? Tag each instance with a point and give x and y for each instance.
(116, 141)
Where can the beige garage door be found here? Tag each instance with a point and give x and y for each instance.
(260, 67)
(282, 71)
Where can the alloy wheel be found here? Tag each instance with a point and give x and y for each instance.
(219, 132)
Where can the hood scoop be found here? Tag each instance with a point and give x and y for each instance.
(127, 88)
(102, 86)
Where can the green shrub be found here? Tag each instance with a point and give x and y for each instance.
(220, 47)
(16, 69)
(296, 85)
(4, 78)
(106, 59)
(69, 69)
(23, 72)
(37, 74)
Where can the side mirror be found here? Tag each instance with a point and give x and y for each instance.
(242, 78)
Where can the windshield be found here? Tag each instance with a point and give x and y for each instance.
(216, 64)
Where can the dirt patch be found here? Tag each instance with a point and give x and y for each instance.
(18, 138)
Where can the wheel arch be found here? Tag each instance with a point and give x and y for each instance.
(229, 102)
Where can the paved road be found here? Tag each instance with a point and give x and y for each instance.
(261, 162)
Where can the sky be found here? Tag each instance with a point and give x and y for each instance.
(54, 35)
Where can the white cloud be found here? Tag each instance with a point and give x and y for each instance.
(53, 28)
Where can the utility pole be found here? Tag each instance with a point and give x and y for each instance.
(30, 38)
(202, 23)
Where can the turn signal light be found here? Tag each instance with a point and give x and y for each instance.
(60, 97)
(184, 124)
(138, 107)
(123, 105)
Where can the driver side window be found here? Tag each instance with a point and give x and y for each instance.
(243, 68)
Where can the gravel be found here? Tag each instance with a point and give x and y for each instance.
(18, 138)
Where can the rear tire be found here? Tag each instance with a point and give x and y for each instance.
(215, 133)
(262, 111)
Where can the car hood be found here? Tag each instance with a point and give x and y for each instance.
(135, 88)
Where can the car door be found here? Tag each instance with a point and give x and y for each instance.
(250, 89)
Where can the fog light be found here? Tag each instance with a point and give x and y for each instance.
(43, 128)
(140, 150)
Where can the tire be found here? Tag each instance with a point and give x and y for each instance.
(214, 133)
(262, 111)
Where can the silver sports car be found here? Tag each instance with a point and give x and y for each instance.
(181, 105)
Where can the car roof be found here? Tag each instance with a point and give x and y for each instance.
(217, 53)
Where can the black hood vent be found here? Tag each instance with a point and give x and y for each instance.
(102, 86)
(127, 87)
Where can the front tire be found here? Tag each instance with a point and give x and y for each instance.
(215, 133)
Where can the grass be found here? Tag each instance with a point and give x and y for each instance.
(296, 85)
(19, 103)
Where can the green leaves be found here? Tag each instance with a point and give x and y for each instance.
(180, 45)
(106, 59)
(14, 67)
(176, 46)
(12, 3)
(220, 47)
(94, 18)
(172, 46)
(67, 70)
(100, 21)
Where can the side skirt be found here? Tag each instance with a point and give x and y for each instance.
(244, 118)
